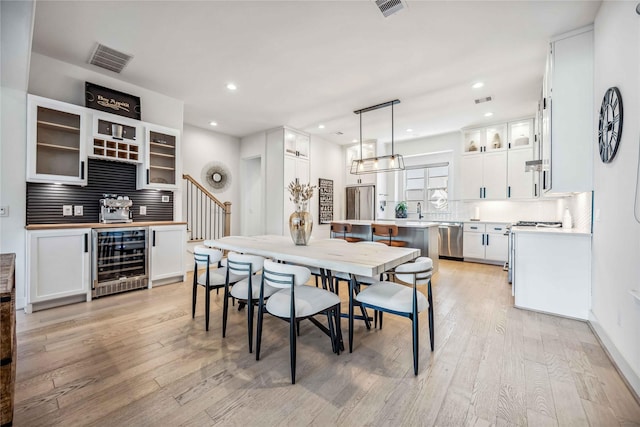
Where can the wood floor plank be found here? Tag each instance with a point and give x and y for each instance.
(569, 411)
(139, 359)
(538, 390)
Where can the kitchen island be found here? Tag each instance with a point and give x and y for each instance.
(421, 235)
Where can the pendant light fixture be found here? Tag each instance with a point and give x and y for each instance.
(387, 163)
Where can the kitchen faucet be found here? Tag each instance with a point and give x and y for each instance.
(420, 216)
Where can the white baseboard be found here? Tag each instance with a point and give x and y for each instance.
(629, 376)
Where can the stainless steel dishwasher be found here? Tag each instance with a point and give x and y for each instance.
(450, 240)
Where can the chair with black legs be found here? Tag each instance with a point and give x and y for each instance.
(295, 302)
(395, 298)
(246, 290)
(213, 278)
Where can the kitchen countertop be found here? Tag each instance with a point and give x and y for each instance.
(100, 225)
(550, 230)
(405, 223)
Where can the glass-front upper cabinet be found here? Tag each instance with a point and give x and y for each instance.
(353, 152)
(521, 134)
(473, 141)
(161, 158)
(296, 143)
(56, 135)
(495, 138)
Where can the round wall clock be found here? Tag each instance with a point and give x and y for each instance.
(610, 127)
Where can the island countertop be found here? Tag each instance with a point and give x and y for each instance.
(403, 223)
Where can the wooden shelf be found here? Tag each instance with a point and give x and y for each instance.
(153, 153)
(57, 126)
(156, 144)
(58, 147)
(162, 167)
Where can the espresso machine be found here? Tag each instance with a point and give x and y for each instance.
(115, 209)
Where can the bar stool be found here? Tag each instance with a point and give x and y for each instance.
(340, 230)
(388, 231)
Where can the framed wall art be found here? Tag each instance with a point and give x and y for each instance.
(325, 205)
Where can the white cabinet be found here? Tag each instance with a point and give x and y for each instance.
(552, 272)
(115, 138)
(521, 184)
(567, 139)
(283, 165)
(56, 135)
(167, 253)
(521, 134)
(296, 144)
(58, 265)
(161, 158)
(485, 242)
(484, 175)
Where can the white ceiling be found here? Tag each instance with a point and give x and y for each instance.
(302, 63)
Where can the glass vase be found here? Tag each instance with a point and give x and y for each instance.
(301, 224)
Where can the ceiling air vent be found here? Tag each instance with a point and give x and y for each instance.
(389, 7)
(109, 59)
(481, 100)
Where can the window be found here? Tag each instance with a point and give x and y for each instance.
(429, 186)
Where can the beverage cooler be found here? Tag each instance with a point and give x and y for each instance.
(120, 260)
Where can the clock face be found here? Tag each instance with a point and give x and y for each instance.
(610, 127)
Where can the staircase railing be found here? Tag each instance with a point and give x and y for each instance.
(207, 217)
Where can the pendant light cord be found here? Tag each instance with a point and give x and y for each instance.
(636, 204)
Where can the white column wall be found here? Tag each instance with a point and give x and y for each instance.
(16, 32)
(616, 233)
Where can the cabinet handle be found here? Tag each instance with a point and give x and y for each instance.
(86, 243)
(509, 192)
(82, 169)
(544, 103)
(483, 240)
(474, 228)
(487, 240)
(153, 243)
(484, 192)
(481, 192)
(535, 190)
(544, 180)
(509, 145)
(147, 176)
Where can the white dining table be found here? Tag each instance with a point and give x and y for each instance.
(352, 258)
(329, 255)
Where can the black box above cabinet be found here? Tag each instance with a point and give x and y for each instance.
(112, 101)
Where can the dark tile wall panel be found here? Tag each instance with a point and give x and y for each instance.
(44, 201)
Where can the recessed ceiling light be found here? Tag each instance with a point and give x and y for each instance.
(489, 114)
(231, 86)
(354, 140)
(409, 130)
(320, 126)
(477, 85)
(213, 123)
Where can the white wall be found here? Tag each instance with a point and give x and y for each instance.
(253, 147)
(199, 147)
(327, 162)
(16, 31)
(616, 234)
(62, 81)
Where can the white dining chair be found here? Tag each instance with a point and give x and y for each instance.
(295, 302)
(398, 299)
(246, 290)
(213, 278)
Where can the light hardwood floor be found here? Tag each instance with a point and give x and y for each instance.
(139, 359)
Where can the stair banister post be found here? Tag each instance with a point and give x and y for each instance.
(227, 218)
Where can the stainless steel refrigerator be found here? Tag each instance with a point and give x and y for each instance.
(361, 202)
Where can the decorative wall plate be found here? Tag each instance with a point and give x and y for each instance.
(216, 177)
(610, 126)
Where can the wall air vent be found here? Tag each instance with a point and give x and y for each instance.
(389, 7)
(481, 100)
(109, 59)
